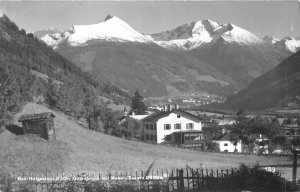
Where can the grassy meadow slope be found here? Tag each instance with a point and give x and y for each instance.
(78, 149)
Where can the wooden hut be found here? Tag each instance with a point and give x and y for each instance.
(41, 124)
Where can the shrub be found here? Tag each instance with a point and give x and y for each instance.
(254, 179)
(6, 182)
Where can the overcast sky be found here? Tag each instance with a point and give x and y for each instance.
(275, 18)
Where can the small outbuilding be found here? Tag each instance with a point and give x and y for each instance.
(41, 124)
(227, 145)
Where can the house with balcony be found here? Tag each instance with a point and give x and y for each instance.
(173, 126)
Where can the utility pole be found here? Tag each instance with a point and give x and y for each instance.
(295, 149)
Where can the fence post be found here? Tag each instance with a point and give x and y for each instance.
(173, 188)
(187, 178)
(294, 167)
(202, 177)
(181, 179)
(199, 183)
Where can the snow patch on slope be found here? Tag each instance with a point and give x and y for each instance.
(113, 29)
(237, 34)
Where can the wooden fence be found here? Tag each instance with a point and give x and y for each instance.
(164, 181)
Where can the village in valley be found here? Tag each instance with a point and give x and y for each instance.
(212, 131)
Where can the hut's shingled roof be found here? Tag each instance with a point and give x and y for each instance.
(35, 116)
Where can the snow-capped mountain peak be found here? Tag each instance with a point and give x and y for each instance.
(236, 34)
(289, 44)
(108, 17)
(112, 29)
(204, 32)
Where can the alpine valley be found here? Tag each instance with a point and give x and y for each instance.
(278, 88)
(199, 57)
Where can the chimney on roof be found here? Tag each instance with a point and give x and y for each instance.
(165, 108)
(169, 107)
(223, 131)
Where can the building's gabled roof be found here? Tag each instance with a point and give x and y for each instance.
(158, 115)
(226, 137)
(35, 116)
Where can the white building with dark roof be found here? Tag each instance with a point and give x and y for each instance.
(227, 145)
(173, 126)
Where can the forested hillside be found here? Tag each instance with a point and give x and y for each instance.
(278, 88)
(29, 70)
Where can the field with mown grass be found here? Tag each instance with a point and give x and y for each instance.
(80, 150)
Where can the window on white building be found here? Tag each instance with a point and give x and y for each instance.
(147, 137)
(151, 137)
(178, 116)
(177, 126)
(147, 126)
(190, 126)
(225, 144)
(151, 126)
(167, 127)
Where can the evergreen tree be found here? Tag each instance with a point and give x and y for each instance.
(137, 105)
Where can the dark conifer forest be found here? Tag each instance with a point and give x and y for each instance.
(30, 69)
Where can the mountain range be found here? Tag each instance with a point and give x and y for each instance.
(278, 88)
(202, 56)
